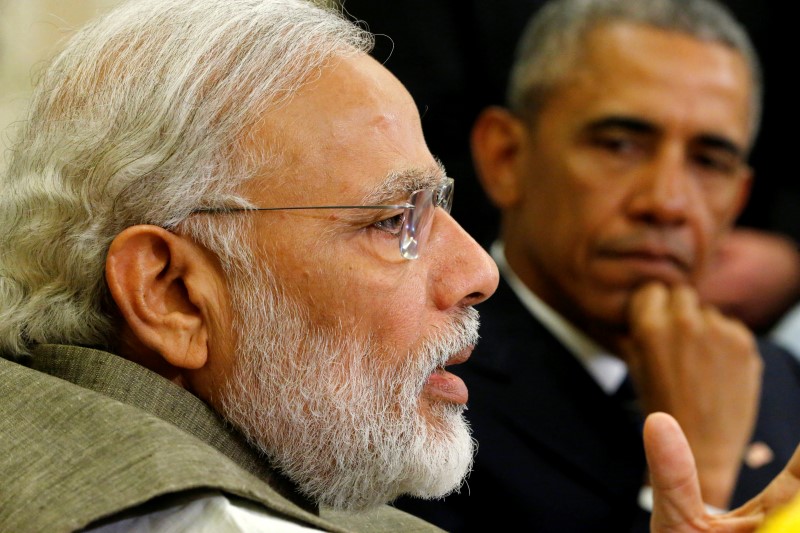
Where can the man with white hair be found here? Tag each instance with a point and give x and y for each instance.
(230, 285)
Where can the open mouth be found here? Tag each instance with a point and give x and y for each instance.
(445, 386)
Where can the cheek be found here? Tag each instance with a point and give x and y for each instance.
(709, 230)
(570, 215)
(394, 312)
(724, 202)
(574, 187)
(385, 304)
(718, 207)
(349, 292)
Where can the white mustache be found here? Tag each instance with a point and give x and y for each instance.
(459, 335)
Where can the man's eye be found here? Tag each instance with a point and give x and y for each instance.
(720, 163)
(391, 225)
(619, 145)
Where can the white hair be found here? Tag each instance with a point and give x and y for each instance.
(140, 120)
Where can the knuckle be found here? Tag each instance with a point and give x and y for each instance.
(648, 325)
(689, 324)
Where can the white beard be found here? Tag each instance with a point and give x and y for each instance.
(333, 414)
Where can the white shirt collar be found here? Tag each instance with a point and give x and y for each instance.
(607, 370)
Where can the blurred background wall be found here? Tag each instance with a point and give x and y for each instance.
(30, 33)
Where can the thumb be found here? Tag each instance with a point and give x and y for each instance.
(677, 501)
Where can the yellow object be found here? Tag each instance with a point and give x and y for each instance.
(784, 520)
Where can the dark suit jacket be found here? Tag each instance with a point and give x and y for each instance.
(555, 453)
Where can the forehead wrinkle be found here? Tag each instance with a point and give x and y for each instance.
(398, 184)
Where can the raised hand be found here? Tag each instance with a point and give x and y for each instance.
(704, 369)
(677, 502)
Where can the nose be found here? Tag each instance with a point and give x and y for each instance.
(662, 191)
(463, 274)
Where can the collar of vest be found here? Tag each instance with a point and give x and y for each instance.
(85, 434)
(127, 382)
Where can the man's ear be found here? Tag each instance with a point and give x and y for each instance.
(161, 285)
(496, 140)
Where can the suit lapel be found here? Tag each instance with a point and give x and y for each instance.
(553, 403)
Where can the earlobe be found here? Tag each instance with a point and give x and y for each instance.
(149, 272)
(496, 141)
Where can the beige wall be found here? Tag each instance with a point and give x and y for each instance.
(30, 33)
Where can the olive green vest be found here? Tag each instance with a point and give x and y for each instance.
(85, 435)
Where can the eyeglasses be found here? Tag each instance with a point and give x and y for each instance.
(416, 217)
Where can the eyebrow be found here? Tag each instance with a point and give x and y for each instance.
(621, 122)
(635, 125)
(399, 184)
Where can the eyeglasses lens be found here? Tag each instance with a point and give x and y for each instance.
(417, 223)
(445, 196)
(417, 220)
